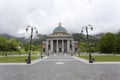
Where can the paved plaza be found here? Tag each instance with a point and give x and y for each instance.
(60, 67)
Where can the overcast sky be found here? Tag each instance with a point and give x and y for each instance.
(15, 15)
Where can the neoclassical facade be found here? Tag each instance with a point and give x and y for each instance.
(60, 41)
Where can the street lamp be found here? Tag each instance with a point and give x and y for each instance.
(88, 49)
(31, 28)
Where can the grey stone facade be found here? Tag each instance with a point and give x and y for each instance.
(59, 41)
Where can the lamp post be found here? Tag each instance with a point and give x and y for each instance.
(31, 28)
(88, 49)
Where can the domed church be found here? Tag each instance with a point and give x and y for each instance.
(60, 42)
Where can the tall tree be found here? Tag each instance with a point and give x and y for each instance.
(4, 45)
(107, 43)
(117, 43)
(13, 44)
(8, 44)
(26, 47)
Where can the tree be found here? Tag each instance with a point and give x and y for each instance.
(2, 42)
(117, 43)
(106, 44)
(8, 45)
(13, 44)
(4, 45)
(79, 36)
(38, 47)
(26, 47)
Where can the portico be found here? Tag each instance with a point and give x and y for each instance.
(60, 45)
(59, 41)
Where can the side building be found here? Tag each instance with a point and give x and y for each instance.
(60, 42)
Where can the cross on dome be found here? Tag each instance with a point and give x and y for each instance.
(60, 24)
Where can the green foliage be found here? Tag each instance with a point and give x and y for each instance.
(38, 47)
(93, 43)
(39, 39)
(78, 36)
(8, 45)
(3, 43)
(33, 47)
(13, 44)
(82, 46)
(117, 43)
(106, 44)
(26, 47)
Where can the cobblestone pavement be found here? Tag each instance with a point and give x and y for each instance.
(60, 67)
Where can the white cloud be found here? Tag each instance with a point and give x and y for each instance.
(15, 15)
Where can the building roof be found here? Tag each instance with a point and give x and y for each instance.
(60, 29)
(60, 32)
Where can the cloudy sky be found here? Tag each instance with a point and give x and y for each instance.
(15, 15)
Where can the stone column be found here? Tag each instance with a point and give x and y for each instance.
(68, 46)
(46, 46)
(51, 46)
(63, 46)
(73, 46)
(57, 45)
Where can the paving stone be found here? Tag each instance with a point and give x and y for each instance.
(72, 69)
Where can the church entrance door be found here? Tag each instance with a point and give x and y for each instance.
(60, 50)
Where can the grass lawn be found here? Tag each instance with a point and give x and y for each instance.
(15, 59)
(99, 58)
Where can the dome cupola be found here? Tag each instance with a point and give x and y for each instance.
(59, 29)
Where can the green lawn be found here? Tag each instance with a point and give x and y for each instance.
(17, 53)
(99, 58)
(15, 59)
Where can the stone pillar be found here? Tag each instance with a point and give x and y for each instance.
(73, 47)
(68, 46)
(57, 45)
(46, 46)
(51, 46)
(63, 46)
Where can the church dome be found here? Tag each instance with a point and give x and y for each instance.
(59, 29)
